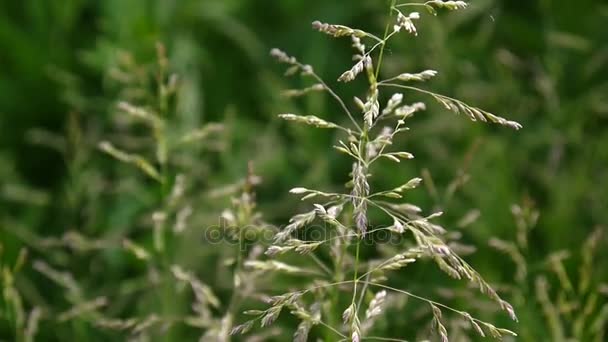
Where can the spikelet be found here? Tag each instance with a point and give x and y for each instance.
(242, 328)
(449, 5)
(276, 266)
(301, 92)
(201, 133)
(393, 103)
(308, 120)
(202, 292)
(360, 190)
(337, 30)
(296, 222)
(376, 305)
(63, 279)
(405, 112)
(140, 113)
(282, 57)
(397, 262)
(371, 109)
(350, 75)
(411, 184)
(309, 319)
(138, 251)
(441, 330)
(33, 320)
(420, 77)
(134, 159)
(83, 309)
(360, 47)
(406, 22)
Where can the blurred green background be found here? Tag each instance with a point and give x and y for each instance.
(542, 63)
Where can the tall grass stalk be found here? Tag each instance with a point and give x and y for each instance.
(347, 216)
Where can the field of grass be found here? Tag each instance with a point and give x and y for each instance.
(150, 189)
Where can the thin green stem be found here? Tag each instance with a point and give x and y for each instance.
(324, 286)
(356, 271)
(379, 155)
(387, 27)
(373, 37)
(378, 338)
(321, 264)
(235, 299)
(336, 97)
(332, 329)
(411, 4)
(386, 83)
(362, 295)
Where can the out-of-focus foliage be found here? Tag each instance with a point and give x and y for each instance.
(543, 63)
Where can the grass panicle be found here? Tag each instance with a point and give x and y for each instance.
(347, 215)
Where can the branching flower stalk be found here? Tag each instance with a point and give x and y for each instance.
(173, 210)
(575, 311)
(346, 214)
(155, 116)
(169, 221)
(244, 224)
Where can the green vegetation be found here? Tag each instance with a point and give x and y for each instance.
(146, 175)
